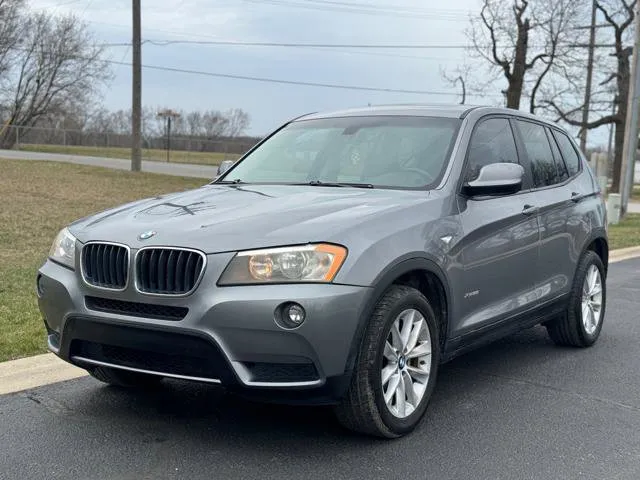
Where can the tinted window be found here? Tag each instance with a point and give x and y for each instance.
(538, 149)
(569, 153)
(492, 142)
(563, 174)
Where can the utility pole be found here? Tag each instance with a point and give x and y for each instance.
(136, 91)
(587, 90)
(631, 132)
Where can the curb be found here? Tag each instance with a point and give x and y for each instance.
(624, 254)
(36, 371)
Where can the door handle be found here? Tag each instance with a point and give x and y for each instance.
(576, 197)
(529, 210)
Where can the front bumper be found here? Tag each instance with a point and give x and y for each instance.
(223, 335)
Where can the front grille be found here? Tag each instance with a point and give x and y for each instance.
(168, 271)
(147, 349)
(175, 364)
(105, 265)
(134, 309)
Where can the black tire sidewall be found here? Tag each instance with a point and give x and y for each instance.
(416, 300)
(588, 259)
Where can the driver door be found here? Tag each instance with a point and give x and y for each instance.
(501, 238)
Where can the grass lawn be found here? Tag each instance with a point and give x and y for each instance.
(38, 199)
(626, 233)
(177, 156)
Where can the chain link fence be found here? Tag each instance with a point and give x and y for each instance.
(180, 149)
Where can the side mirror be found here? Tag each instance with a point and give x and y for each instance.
(496, 179)
(224, 166)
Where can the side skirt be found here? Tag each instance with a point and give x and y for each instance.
(488, 334)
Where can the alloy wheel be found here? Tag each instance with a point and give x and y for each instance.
(407, 363)
(592, 300)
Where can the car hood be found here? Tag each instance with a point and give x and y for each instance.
(222, 218)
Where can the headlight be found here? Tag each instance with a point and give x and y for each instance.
(307, 263)
(63, 249)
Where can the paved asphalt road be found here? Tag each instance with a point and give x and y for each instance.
(179, 169)
(520, 408)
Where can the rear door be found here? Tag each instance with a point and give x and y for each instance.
(553, 197)
(500, 245)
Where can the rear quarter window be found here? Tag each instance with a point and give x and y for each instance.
(571, 157)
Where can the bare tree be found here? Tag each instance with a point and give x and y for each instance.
(619, 15)
(214, 124)
(56, 65)
(237, 122)
(10, 30)
(522, 39)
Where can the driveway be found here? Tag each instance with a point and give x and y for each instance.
(520, 408)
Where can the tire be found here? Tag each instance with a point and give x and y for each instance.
(125, 378)
(569, 329)
(364, 408)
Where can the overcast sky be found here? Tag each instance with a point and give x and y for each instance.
(323, 21)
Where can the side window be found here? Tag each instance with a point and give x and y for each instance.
(563, 174)
(569, 153)
(536, 145)
(492, 142)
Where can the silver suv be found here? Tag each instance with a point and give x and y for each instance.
(340, 261)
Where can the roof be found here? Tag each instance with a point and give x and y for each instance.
(446, 111)
(449, 111)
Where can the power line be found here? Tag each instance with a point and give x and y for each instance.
(342, 7)
(291, 82)
(305, 45)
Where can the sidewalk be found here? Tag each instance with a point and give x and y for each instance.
(177, 169)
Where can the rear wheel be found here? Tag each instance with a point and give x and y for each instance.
(124, 378)
(396, 368)
(581, 324)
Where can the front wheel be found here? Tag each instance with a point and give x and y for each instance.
(396, 369)
(581, 324)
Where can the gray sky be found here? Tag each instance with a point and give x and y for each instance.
(323, 21)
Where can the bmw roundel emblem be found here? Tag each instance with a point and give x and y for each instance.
(146, 235)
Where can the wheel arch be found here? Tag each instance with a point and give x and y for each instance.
(598, 243)
(415, 270)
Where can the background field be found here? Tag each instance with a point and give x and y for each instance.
(153, 155)
(39, 198)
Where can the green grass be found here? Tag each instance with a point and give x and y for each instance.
(39, 198)
(626, 233)
(154, 155)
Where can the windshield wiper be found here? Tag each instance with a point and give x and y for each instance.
(318, 183)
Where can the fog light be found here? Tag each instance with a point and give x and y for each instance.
(290, 315)
(296, 313)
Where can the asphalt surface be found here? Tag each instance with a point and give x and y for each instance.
(178, 169)
(520, 408)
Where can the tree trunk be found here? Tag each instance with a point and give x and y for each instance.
(516, 79)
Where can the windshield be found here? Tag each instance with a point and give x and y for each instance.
(380, 151)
